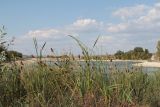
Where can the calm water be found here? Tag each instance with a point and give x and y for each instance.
(116, 65)
(130, 65)
(122, 65)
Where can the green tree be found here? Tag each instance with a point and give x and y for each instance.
(11, 55)
(146, 51)
(137, 53)
(138, 49)
(4, 44)
(158, 50)
(119, 54)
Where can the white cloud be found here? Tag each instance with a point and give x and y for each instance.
(105, 39)
(148, 22)
(127, 12)
(87, 25)
(79, 26)
(153, 16)
(118, 27)
(85, 22)
(43, 33)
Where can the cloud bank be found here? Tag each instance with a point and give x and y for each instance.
(138, 26)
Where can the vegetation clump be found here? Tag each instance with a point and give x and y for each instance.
(138, 53)
(68, 83)
(71, 83)
(158, 50)
(5, 54)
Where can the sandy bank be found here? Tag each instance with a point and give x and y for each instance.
(117, 60)
(148, 64)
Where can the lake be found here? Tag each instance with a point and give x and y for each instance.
(114, 65)
(121, 66)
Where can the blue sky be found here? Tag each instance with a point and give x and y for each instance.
(122, 24)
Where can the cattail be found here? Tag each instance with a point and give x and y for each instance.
(71, 68)
(73, 57)
(40, 62)
(22, 63)
(21, 68)
(52, 50)
(32, 56)
(14, 64)
(83, 53)
(79, 56)
(51, 69)
(45, 64)
(56, 64)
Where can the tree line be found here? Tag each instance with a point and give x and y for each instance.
(138, 53)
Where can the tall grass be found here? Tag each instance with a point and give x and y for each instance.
(70, 83)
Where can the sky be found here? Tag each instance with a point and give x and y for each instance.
(121, 24)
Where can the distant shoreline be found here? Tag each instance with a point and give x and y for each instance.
(141, 63)
(32, 60)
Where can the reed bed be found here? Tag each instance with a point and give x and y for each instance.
(68, 83)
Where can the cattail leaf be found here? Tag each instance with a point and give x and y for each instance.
(43, 46)
(3, 42)
(3, 27)
(52, 50)
(96, 41)
(4, 33)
